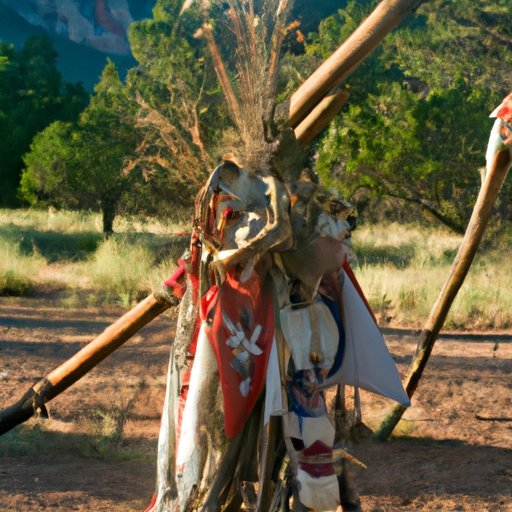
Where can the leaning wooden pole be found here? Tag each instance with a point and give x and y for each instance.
(34, 400)
(387, 15)
(495, 177)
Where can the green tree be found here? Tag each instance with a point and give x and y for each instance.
(182, 116)
(32, 95)
(81, 165)
(416, 126)
(144, 146)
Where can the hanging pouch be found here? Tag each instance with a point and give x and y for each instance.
(312, 335)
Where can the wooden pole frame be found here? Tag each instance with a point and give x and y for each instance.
(313, 106)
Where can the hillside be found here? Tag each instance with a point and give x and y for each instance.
(84, 34)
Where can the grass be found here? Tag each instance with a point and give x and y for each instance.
(50, 251)
(101, 441)
(97, 433)
(127, 269)
(18, 271)
(401, 268)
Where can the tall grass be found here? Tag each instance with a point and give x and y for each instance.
(126, 270)
(401, 268)
(19, 273)
(63, 221)
(55, 250)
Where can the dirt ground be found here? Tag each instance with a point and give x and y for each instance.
(452, 451)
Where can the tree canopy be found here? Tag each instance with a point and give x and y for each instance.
(414, 130)
(79, 165)
(32, 94)
(416, 126)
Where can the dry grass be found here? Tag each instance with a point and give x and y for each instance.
(18, 272)
(48, 251)
(401, 268)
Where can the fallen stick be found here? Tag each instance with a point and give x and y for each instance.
(493, 418)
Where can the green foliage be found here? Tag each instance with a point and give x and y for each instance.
(32, 94)
(464, 41)
(416, 126)
(408, 145)
(80, 165)
(182, 115)
(140, 147)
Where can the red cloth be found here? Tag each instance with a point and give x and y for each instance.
(505, 109)
(152, 504)
(177, 280)
(317, 469)
(250, 305)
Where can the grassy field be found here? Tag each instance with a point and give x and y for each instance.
(64, 254)
(401, 268)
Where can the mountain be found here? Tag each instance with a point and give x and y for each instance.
(84, 32)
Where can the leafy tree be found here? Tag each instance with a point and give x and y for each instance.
(416, 126)
(32, 95)
(181, 117)
(144, 146)
(80, 166)
(464, 41)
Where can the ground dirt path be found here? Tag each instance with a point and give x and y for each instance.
(452, 452)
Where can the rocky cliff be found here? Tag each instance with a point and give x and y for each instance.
(99, 24)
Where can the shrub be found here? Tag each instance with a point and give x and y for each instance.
(18, 272)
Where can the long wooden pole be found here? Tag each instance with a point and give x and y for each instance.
(347, 57)
(321, 116)
(481, 212)
(34, 400)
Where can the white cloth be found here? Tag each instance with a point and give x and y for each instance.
(273, 397)
(308, 329)
(322, 494)
(367, 363)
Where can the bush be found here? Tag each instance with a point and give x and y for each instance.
(18, 271)
(120, 271)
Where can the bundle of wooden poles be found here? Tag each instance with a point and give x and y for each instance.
(312, 107)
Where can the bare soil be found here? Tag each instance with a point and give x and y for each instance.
(452, 451)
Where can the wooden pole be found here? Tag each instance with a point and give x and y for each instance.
(321, 116)
(34, 400)
(467, 250)
(347, 57)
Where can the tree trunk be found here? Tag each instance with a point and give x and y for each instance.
(108, 211)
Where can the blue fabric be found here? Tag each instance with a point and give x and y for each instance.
(334, 308)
